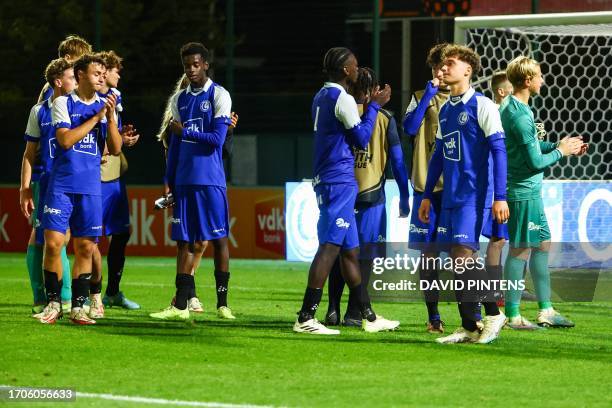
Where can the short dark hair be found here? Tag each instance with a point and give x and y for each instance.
(334, 60)
(366, 81)
(193, 48)
(434, 56)
(83, 63)
(55, 70)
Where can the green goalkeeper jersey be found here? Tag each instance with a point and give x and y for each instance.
(528, 157)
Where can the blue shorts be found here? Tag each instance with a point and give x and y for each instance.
(371, 223)
(493, 229)
(421, 233)
(337, 224)
(82, 213)
(39, 231)
(200, 213)
(461, 226)
(115, 208)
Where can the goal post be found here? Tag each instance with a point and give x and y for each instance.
(575, 50)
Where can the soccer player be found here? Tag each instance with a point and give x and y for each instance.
(115, 207)
(371, 214)
(500, 87)
(420, 124)
(165, 135)
(337, 128)
(468, 136)
(83, 122)
(195, 176)
(40, 136)
(528, 157)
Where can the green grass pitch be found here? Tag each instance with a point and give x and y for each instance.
(258, 360)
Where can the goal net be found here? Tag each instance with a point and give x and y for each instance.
(575, 51)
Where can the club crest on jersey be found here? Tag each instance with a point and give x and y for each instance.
(462, 118)
(205, 106)
(88, 144)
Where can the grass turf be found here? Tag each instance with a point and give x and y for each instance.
(256, 359)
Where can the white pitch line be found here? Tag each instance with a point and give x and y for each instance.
(156, 401)
(162, 401)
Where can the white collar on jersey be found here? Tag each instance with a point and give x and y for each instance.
(76, 98)
(205, 88)
(466, 97)
(333, 85)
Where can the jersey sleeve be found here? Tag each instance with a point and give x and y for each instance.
(32, 133)
(223, 105)
(489, 119)
(346, 111)
(59, 113)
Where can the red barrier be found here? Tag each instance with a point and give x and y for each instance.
(257, 223)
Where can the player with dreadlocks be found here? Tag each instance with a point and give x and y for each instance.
(337, 128)
(371, 214)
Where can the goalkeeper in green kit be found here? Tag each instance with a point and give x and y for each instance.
(528, 157)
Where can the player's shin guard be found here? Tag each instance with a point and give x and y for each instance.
(538, 266)
(335, 287)
(80, 289)
(67, 282)
(221, 283)
(432, 296)
(184, 283)
(34, 259)
(52, 286)
(354, 308)
(116, 262)
(310, 304)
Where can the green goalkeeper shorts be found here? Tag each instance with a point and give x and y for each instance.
(527, 225)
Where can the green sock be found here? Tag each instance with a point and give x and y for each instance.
(66, 277)
(538, 266)
(513, 272)
(34, 259)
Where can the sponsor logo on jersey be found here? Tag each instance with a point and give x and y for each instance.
(464, 236)
(218, 230)
(462, 118)
(452, 146)
(205, 106)
(52, 211)
(442, 230)
(97, 227)
(340, 223)
(88, 144)
(75, 115)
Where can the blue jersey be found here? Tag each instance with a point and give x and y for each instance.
(337, 128)
(465, 124)
(77, 169)
(40, 130)
(196, 156)
(118, 105)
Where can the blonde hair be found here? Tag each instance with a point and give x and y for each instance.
(163, 134)
(74, 46)
(520, 69)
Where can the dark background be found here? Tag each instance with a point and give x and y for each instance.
(277, 60)
(278, 54)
